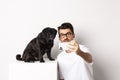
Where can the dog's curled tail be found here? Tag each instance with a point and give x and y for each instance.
(18, 57)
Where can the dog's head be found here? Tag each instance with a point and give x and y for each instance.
(48, 34)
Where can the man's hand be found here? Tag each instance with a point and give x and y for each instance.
(73, 47)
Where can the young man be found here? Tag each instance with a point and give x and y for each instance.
(75, 62)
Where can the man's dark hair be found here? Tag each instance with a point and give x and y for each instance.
(66, 26)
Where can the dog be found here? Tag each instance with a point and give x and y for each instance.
(38, 46)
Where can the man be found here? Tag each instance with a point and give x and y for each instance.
(75, 63)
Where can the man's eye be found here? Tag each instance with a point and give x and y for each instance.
(68, 33)
(62, 34)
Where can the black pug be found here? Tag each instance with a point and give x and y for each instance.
(38, 46)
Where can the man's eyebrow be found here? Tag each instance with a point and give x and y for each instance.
(66, 33)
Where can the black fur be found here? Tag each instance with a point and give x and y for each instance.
(38, 46)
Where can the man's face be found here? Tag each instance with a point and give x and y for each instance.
(65, 35)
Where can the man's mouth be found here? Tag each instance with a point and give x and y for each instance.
(66, 40)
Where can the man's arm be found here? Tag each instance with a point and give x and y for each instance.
(86, 56)
(74, 47)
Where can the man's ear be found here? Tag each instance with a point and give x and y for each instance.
(73, 35)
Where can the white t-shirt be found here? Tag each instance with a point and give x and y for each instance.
(73, 67)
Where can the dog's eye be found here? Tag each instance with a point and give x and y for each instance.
(48, 34)
(51, 36)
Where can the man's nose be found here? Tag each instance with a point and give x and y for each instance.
(66, 39)
(65, 36)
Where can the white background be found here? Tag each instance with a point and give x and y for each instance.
(96, 23)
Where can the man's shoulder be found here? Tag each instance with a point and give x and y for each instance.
(84, 48)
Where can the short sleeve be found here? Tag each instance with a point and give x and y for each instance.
(84, 48)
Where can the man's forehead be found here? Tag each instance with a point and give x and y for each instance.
(64, 31)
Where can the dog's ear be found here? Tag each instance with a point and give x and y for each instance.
(45, 30)
(42, 34)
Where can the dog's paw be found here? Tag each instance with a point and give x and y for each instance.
(51, 59)
(42, 61)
